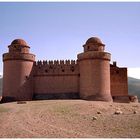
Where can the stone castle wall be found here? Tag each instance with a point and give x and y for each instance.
(119, 81)
(56, 77)
(17, 83)
(95, 75)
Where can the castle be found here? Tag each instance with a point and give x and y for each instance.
(90, 77)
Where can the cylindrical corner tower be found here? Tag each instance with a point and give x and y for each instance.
(17, 80)
(94, 69)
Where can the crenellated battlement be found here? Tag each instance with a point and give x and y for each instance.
(56, 67)
(55, 62)
(118, 71)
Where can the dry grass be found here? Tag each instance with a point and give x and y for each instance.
(3, 109)
(69, 119)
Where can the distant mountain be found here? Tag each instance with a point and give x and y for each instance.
(133, 86)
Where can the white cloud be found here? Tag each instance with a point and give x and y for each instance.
(134, 72)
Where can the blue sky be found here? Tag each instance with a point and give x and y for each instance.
(57, 30)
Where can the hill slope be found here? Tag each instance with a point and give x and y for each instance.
(69, 119)
(134, 86)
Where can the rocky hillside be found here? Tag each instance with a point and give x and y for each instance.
(134, 86)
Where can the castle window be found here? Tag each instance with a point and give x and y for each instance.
(46, 71)
(113, 97)
(26, 77)
(72, 68)
(51, 67)
(87, 47)
(63, 70)
(117, 71)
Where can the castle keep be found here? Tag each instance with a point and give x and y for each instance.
(90, 77)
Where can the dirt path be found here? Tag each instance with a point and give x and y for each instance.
(69, 119)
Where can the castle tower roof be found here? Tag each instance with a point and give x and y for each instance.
(93, 44)
(20, 42)
(18, 46)
(94, 40)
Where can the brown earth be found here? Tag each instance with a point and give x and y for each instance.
(69, 119)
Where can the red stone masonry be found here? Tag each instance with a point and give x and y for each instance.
(90, 77)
